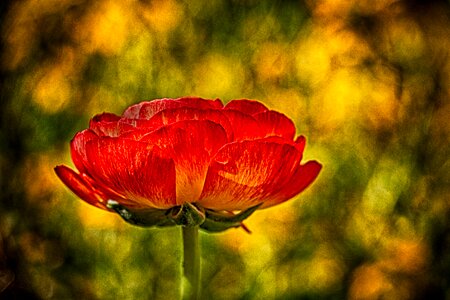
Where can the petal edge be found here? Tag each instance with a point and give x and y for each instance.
(80, 187)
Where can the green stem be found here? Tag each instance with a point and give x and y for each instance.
(191, 263)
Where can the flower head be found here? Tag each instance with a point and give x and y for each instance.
(188, 161)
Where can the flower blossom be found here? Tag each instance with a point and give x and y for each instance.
(188, 161)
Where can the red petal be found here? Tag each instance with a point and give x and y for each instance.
(250, 107)
(139, 171)
(147, 109)
(80, 187)
(191, 143)
(245, 127)
(78, 148)
(108, 124)
(105, 117)
(169, 116)
(275, 123)
(98, 186)
(300, 142)
(300, 180)
(173, 115)
(243, 174)
(137, 134)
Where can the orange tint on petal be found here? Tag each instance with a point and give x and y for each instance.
(191, 144)
(243, 174)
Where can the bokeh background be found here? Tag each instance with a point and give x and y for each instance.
(366, 81)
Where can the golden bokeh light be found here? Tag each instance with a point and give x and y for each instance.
(272, 61)
(338, 98)
(162, 16)
(52, 90)
(369, 282)
(313, 60)
(105, 28)
(216, 75)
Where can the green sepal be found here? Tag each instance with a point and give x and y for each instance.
(212, 226)
(217, 222)
(187, 215)
(142, 217)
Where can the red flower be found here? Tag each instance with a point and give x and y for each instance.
(188, 152)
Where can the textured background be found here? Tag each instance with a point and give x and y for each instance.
(366, 81)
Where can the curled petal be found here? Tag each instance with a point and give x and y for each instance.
(142, 173)
(275, 123)
(78, 148)
(303, 176)
(108, 124)
(300, 143)
(105, 117)
(80, 187)
(244, 174)
(147, 109)
(249, 107)
(191, 144)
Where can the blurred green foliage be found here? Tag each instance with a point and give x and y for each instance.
(366, 81)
